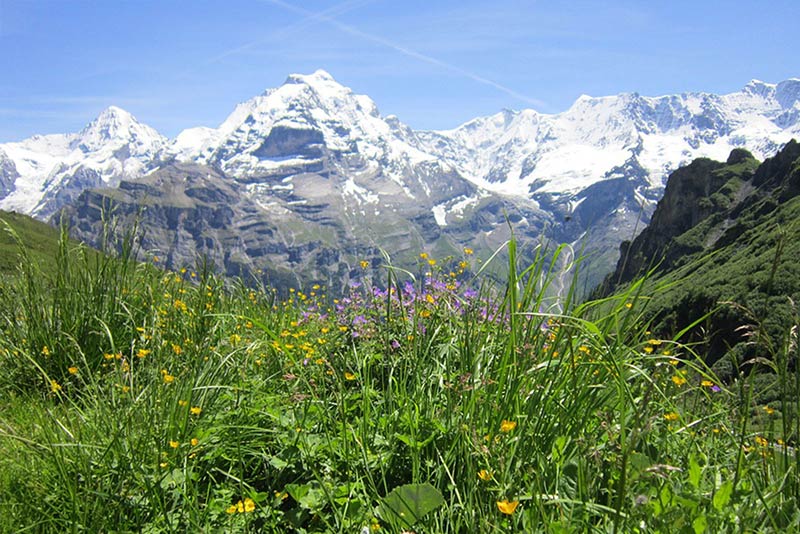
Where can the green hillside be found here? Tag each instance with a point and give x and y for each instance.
(39, 239)
(723, 249)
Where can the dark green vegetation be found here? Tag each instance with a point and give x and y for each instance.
(724, 245)
(138, 400)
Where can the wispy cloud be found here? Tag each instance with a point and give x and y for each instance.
(406, 51)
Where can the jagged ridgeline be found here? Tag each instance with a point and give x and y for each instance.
(725, 238)
(307, 180)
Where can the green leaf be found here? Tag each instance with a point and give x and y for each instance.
(694, 471)
(700, 524)
(723, 495)
(405, 505)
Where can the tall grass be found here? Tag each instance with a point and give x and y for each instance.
(135, 399)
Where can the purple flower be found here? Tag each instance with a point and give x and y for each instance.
(715, 388)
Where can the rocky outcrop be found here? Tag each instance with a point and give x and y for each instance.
(8, 175)
(722, 249)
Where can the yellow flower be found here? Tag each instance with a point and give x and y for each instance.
(194, 442)
(468, 251)
(349, 376)
(431, 262)
(168, 378)
(507, 507)
(364, 264)
(629, 305)
(761, 441)
(707, 383)
(507, 426)
(484, 475)
(73, 370)
(231, 509)
(423, 255)
(142, 353)
(45, 351)
(770, 410)
(183, 403)
(174, 444)
(249, 505)
(648, 349)
(195, 410)
(671, 416)
(429, 298)
(55, 387)
(678, 380)
(176, 348)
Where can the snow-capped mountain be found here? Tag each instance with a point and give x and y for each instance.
(51, 170)
(526, 152)
(310, 175)
(313, 125)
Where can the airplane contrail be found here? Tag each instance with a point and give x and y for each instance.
(323, 16)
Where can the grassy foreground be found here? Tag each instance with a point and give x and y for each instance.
(137, 400)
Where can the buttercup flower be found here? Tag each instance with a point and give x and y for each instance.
(507, 507)
(507, 426)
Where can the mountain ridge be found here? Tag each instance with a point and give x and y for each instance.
(314, 151)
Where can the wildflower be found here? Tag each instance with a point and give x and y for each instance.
(507, 426)
(55, 387)
(183, 403)
(249, 505)
(678, 380)
(468, 251)
(671, 416)
(73, 370)
(235, 339)
(174, 444)
(195, 410)
(194, 442)
(507, 507)
(176, 349)
(364, 264)
(707, 383)
(141, 353)
(762, 442)
(45, 351)
(423, 255)
(431, 262)
(770, 410)
(349, 376)
(629, 305)
(484, 475)
(654, 342)
(715, 388)
(429, 298)
(231, 509)
(648, 349)
(168, 378)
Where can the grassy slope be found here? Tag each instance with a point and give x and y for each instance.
(170, 402)
(39, 239)
(739, 265)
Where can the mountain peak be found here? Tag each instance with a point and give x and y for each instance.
(317, 77)
(116, 126)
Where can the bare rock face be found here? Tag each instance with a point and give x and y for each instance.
(8, 175)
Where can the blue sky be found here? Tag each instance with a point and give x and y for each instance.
(434, 63)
